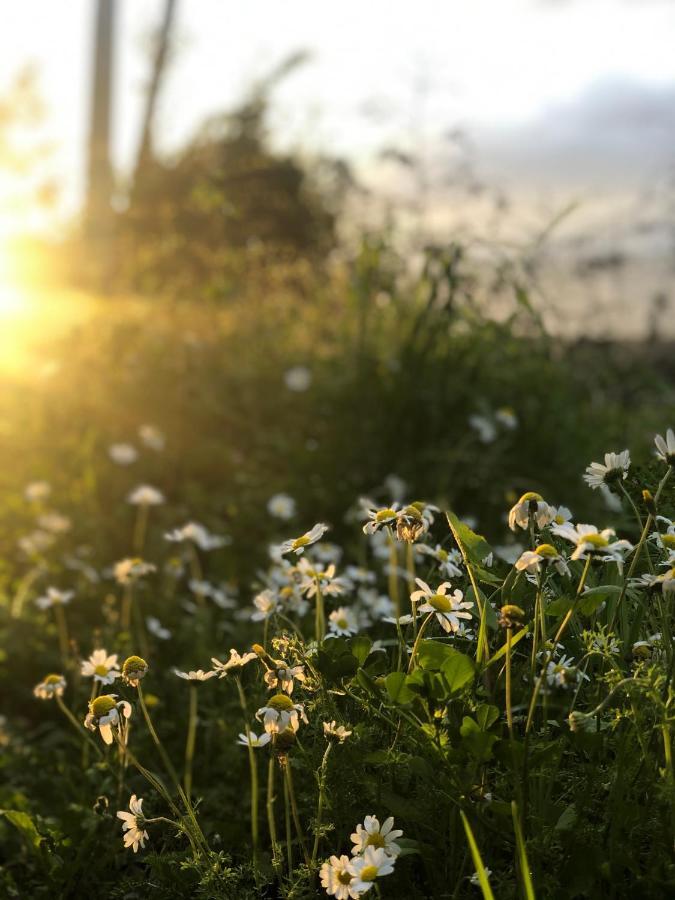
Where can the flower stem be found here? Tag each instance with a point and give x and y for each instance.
(140, 528)
(271, 823)
(413, 655)
(320, 805)
(294, 810)
(289, 836)
(253, 770)
(78, 727)
(509, 711)
(320, 620)
(191, 740)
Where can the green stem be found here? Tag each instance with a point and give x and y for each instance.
(320, 617)
(289, 836)
(81, 730)
(140, 528)
(253, 768)
(294, 810)
(271, 823)
(320, 804)
(413, 655)
(509, 711)
(191, 740)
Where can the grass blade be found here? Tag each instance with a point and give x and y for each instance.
(477, 861)
(523, 865)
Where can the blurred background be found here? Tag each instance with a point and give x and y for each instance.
(319, 245)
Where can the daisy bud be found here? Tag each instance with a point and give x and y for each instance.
(649, 502)
(511, 615)
(134, 668)
(263, 655)
(101, 706)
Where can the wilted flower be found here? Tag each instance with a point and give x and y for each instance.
(145, 495)
(449, 609)
(665, 447)
(530, 506)
(123, 454)
(543, 555)
(281, 506)
(133, 669)
(410, 523)
(133, 824)
(299, 545)
(370, 834)
(282, 677)
(343, 621)
(101, 667)
(54, 597)
(236, 661)
(615, 469)
(52, 686)
(373, 864)
(337, 879)
(281, 713)
(511, 616)
(330, 729)
(104, 714)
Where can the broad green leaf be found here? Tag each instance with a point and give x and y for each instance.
(486, 715)
(457, 670)
(398, 691)
(474, 545)
(518, 636)
(23, 823)
(432, 654)
(478, 742)
(360, 647)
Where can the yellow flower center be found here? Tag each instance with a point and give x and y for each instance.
(134, 666)
(53, 679)
(300, 542)
(440, 603)
(442, 555)
(668, 540)
(595, 540)
(280, 702)
(101, 670)
(344, 877)
(102, 705)
(546, 550)
(383, 514)
(342, 623)
(369, 873)
(375, 840)
(530, 495)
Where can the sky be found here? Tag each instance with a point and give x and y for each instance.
(556, 98)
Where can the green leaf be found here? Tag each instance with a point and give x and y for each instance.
(568, 819)
(398, 691)
(523, 865)
(518, 636)
(490, 614)
(594, 597)
(23, 823)
(477, 742)
(360, 647)
(432, 654)
(477, 860)
(487, 715)
(475, 546)
(560, 606)
(457, 670)
(367, 683)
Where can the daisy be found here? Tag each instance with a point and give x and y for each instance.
(337, 879)
(562, 674)
(54, 522)
(543, 555)
(101, 667)
(123, 454)
(104, 714)
(380, 517)
(299, 545)
(156, 628)
(508, 552)
(484, 427)
(199, 675)
(530, 505)
(54, 597)
(128, 571)
(330, 729)
(133, 824)
(475, 878)
(448, 560)
(615, 468)
(298, 379)
(152, 437)
(266, 604)
(253, 740)
(281, 506)
(448, 610)
(281, 713)
(198, 535)
(343, 621)
(589, 541)
(360, 575)
(312, 580)
(325, 552)
(665, 447)
(373, 864)
(145, 495)
(561, 514)
(52, 686)
(282, 677)
(372, 835)
(134, 669)
(36, 542)
(236, 661)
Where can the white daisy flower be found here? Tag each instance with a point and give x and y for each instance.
(36, 542)
(448, 560)
(665, 447)
(484, 427)
(299, 545)
(298, 379)
(104, 714)
(133, 823)
(146, 495)
(236, 661)
(343, 622)
(325, 552)
(152, 437)
(254, 740)
(282, 677)
(475, 878)
(563, 674)
(51, 686)
(281, 506)
(128, 571)
(449, 609)
(36, 491)
(330, 729)
(199, 535)
(337, 880)
(360, 575)
(199, 675)
(378, 518)
(101, 667)
(328, 583)
(372, 835)
(373, 864)
(544, 554)
(123, 454)
(54, 522)
(281, 713)
(615, 468)
(156, 628)
(266, 604)
(561, 514)
(589, 541)
(54, 597)
(532, 505)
